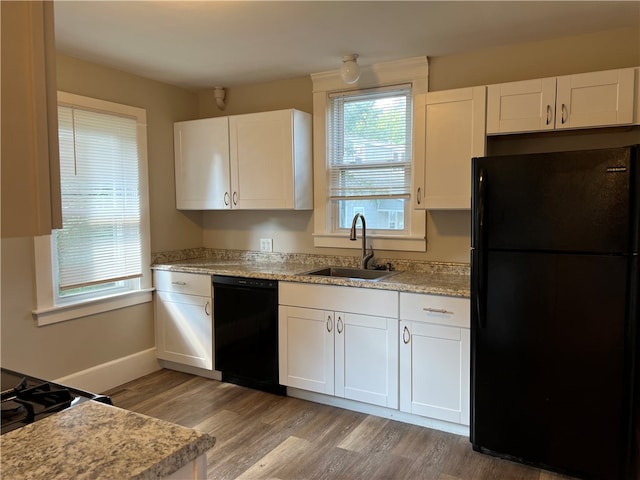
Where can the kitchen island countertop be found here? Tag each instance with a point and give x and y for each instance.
(443, 282)
(97, 441)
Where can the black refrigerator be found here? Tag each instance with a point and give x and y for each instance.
(554, 327)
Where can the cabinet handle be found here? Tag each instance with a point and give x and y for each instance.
(235, 198)
(419, 196)
(329, 323)
(207, 308)
(549, 114)
(226, 198)
(340, 325)
(565, 113)
(406, 336)
(182, 284)
(437, 310)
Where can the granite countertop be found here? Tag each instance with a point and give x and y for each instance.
(443, 281)
(97, 441)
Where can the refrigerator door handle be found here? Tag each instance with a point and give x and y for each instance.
(480, 249)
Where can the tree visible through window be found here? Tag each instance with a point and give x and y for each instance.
(369, 157)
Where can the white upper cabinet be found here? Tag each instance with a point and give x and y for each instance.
(201, 150)
(252, 161)
(594, 99)
(271, 160)
(455, 132)
(598, 98)
(30, 170)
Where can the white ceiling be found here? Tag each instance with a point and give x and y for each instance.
(201, 44)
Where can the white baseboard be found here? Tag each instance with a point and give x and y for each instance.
(213, 374)
(103, 377)
(383, 412)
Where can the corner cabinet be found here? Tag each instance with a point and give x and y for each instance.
(595, 99)
(435, 356)
(340, 341)
(455, 132)
(184, 318)
(252, 161)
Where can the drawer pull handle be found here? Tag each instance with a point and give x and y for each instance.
(182, 284)
(406, 335)
(437, 310)
(207, 309)
(329, 323)
(340, 325)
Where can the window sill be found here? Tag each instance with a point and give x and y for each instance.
(62, 313)
(378, 242)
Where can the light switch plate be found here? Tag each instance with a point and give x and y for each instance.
(266, 244)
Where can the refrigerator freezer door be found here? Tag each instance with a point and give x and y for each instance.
(548, 366)
(568, 201)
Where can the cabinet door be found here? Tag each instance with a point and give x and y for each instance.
(434, 371)
(30, 167)
(366, 366)
(261, 160)
(455, 132)
(595, 99)
(184, 332)
(202, 164)
(525, 106)
(306, 349)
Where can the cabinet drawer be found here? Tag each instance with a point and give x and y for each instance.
(179, 282)
(365, 301)
(449, 311)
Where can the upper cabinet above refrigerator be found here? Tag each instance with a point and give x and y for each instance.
(252, 161)
(594, 99)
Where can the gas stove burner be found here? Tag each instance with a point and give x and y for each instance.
(27, 399)
(11, 409)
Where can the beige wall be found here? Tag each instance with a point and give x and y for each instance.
(448, 233)
(64, 348)
(563, 56)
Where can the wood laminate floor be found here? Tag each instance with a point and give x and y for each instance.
(264, 436)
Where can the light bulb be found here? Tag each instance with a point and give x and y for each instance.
(350, 70)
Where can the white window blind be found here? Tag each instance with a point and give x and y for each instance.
(100, 241)
(369, 144)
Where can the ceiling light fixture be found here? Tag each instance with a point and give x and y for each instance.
(218, 95)
(350, 70)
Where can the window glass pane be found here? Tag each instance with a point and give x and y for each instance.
(380, 214)
(99, 246)
(370, 155)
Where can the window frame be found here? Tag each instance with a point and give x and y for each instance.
(48, 310)
(412, 71)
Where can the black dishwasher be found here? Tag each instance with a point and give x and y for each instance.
(245, 314)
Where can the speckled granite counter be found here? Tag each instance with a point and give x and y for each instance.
(97, 441)
(436, 278)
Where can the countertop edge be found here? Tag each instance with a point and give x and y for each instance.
(451, 285)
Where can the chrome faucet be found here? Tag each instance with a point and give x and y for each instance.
(352, 236)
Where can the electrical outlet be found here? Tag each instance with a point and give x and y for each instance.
(266, 245)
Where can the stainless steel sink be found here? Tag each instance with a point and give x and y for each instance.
(354, 273)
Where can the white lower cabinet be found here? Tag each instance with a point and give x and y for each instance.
(184, 318)
(340, 341)
(435, 357)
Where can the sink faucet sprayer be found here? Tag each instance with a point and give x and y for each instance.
(352, 236)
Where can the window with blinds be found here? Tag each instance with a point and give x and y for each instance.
(369, 156)
(99, 247)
